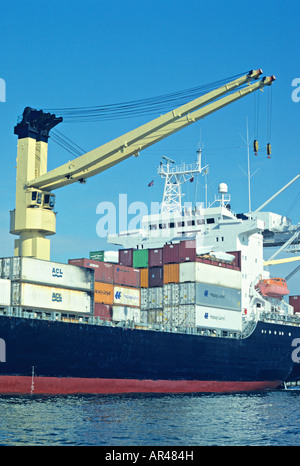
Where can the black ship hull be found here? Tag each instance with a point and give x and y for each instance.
(56, 357)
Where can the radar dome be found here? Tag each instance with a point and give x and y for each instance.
(223, 188)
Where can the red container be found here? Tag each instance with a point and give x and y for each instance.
(127, 276)
(295, 302)
(156, 276)
(126, 257)
(104, 311)
(237, 261)
(104, 271)
(155, 257)
(187, 251)
(171, 253)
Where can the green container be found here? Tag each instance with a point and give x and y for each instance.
(140, 258)
(97, 255)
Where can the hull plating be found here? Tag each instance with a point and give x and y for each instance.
(60, 357)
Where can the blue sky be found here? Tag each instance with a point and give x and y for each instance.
(83, 53)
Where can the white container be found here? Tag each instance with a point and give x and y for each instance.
(155, 316)
(144, 317)
(125, 296)
(216, 318)
(155, 298)
(120, 313)
(144, 299)
(179, 316)
(171, 294)
(32, 296)
(27, 269)
(218, 296)
(211, 274)
(187, 315)
(111, 256)
(5, 292)
(188, 293)
(171, 315)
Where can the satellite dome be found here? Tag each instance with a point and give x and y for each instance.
(223, 188)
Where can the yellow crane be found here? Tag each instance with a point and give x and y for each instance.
(281, 261)
(33, 217)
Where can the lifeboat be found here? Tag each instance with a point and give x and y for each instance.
(273, 287)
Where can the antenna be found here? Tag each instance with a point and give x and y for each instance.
(249, 176)
(175, 176)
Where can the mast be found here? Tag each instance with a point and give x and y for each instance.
(175, 176)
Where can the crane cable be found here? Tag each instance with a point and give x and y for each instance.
(135, 108)
(124, 110)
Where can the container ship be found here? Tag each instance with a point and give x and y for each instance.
(184, 304)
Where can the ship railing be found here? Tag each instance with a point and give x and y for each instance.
(277, 318)
(128, 324)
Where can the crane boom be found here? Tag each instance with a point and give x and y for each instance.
(132, 143)
(34, 218)
(281, 261)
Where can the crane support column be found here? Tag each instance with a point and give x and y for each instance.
(33, 218)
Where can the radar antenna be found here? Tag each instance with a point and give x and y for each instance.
(175, 176)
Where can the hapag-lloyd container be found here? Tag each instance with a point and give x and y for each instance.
(120, 313)
(104, 293)
(218, 296)
(127, 276)
(206, 273)
(156, 257)
(126, 257)
(171, 253)
(104, 311)
(213, 318)
(32, 270)
(32, 296)
(5, 292)
(104, 271)
(125, 296)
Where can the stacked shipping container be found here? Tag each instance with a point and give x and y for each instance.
(36, 284)
(180, 289)
(117, 288)
(168, 285)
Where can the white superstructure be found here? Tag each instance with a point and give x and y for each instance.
(217, 230)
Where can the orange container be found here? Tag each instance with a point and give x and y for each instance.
(144, 277)
(104, 293)
(171, 273)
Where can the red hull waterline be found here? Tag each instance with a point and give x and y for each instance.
(64, 385)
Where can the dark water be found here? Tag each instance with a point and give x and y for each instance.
(265, 418)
